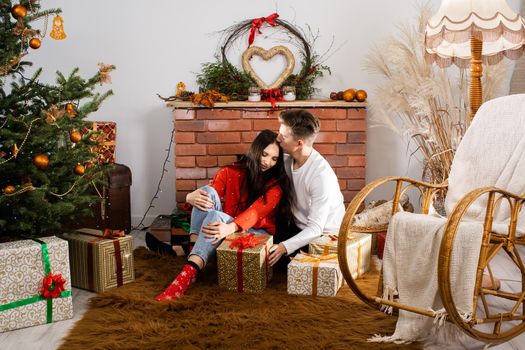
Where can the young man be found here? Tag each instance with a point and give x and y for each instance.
(318, 202)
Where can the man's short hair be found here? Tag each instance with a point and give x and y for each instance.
(302, 123)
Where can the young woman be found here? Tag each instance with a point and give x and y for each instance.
(254, 191)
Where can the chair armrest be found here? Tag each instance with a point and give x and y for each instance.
(427, 190)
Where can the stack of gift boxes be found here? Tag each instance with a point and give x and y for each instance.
(35, 280)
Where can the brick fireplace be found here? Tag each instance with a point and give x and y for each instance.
(207, 139)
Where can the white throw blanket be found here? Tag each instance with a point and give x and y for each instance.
(492, 153)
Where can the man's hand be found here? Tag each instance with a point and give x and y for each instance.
(218, 231)
(199, 199)
(277, 253)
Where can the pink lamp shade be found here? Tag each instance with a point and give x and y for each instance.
(493, 22)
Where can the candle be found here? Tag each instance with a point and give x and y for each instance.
(254, 94)
(289, 93)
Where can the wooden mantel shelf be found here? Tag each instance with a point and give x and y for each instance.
(289, 104)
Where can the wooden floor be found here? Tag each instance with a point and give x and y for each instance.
(48, 337)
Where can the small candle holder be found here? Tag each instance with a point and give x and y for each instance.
(289, 93)
(254, 94)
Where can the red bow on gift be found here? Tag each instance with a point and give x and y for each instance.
(113, 233)
(52, 286)
(258, 22)
(245, 241)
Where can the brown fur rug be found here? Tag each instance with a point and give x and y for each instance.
(208, 317)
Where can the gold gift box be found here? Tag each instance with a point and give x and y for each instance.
(95, 265)
(358, 250)
(314, 275)
(21, 277)
(246, 269)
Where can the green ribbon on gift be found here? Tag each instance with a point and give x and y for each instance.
(35, 299)
(180, 221)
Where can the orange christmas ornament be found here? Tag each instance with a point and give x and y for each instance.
(18, 11)
(41, 161)
(75, 136)
(70, 110)
(79, 169)
(35, 43)
(9, 189)
(361, 95)
(57, 32)
(348, 95)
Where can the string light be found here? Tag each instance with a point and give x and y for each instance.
(164, 170)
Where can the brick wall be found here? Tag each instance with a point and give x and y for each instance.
(207, 139)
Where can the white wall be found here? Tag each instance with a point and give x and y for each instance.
(157, 43)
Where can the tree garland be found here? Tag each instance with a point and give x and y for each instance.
(223, 76)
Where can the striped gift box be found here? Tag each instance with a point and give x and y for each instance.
(99, 263)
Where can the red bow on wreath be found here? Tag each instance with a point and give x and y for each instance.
(52, 286)
(258, 22)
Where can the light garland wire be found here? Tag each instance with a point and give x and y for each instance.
(164, 170)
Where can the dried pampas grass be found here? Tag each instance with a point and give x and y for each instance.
(424, 103)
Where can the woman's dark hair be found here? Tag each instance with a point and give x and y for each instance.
(257, 182)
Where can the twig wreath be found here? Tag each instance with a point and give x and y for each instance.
(224, 77)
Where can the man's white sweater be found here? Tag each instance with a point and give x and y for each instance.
(319, 203)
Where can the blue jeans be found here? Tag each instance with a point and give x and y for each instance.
(203, 247)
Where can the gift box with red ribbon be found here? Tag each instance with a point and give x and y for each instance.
(317, 275)
(242, 260)
(381, 238)
(35, 287)
(100, 260)
(358, 250)
(104, 134)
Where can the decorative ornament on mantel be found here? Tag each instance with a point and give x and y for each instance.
(267, 55)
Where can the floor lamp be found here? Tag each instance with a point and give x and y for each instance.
(473, 32)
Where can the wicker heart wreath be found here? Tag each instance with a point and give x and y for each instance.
(267, 55)
(225, 77)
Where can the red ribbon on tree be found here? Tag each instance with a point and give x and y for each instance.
(244, 242)
(272, 96)
(258, 22)
(52, 286)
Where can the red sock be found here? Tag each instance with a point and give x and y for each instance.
(180, 284)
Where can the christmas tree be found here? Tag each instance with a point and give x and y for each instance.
(47, 167)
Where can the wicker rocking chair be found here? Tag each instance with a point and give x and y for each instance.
(494, 142)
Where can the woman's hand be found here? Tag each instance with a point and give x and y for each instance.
(218, 231)
(199, 199)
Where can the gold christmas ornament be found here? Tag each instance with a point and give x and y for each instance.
(18, 11)
(35, 43)
(266, 55)
(15, 150)
(57, 31)
(349, 95)
(41, 161)
(75, 136)
(70, 110)
(79, 169)
(9, 189)
(361, 95)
